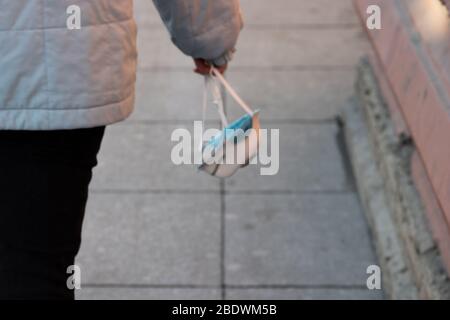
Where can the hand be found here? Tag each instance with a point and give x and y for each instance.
(204, 68)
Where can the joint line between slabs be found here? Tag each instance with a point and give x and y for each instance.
(234, 287)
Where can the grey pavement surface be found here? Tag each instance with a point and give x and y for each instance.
(154, 230)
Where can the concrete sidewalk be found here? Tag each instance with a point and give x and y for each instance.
(157, 231)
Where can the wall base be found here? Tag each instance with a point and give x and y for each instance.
(411, 264)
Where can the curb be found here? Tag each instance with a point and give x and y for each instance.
(409, 258)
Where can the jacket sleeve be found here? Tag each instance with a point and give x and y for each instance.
(206, 29)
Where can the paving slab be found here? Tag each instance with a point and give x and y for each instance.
(304, 294)
(310, 160)
(167, 239)
(316, 239)
(298, 12)
(138, 157)
(311, 47)
(292, 94)
(146, 14)
(156, 50)
(178, 94)
(147, 294)
(170, 95)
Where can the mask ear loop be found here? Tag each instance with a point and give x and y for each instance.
(231, 91)
(205, 104)
(218, 100)
(212, 80)
(210, 83)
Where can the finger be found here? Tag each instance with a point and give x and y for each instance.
(201, 71)
(201, 67)
(200, 63)
(222, 69)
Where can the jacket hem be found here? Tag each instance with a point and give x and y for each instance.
(66, 119)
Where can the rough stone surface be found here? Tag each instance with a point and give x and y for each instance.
(397, 279)
(404, 236)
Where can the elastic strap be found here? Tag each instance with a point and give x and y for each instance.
(231, 91)
(205, 104)
(211, 83)
(217, 99)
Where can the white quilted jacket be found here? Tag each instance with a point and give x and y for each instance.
(52, 77)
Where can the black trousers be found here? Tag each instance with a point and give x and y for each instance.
(44, 179)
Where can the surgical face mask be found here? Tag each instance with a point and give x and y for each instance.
(238, 143)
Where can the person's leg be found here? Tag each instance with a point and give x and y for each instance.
(44, 179)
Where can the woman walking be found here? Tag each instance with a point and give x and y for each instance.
(67, 71)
